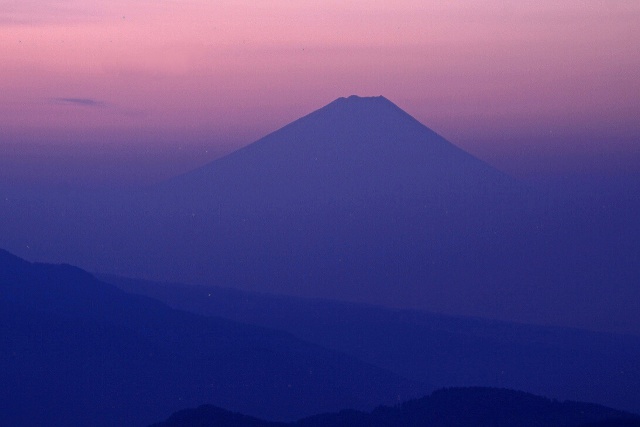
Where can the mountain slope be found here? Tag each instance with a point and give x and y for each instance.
(438, 350)
(77, 351)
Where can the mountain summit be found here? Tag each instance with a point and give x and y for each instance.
(352, 149)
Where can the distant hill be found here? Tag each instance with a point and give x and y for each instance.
(460, 407)
(438, 350)
(76, 351)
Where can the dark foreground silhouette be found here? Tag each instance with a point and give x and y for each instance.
(75, 351)
(460, 407)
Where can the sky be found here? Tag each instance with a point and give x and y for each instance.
(101, 92)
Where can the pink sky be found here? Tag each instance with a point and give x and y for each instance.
(543, 83)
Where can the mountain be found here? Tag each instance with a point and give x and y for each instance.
(435, 349)
(360, 202)
(352, 150)
(459, 407)
(77, 351)
(355, 201)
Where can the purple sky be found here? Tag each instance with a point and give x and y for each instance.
(132, 91)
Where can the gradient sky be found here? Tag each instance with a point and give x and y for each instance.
(131, 91)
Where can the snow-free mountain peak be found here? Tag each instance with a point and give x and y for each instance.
(352, 99)
(355, 146)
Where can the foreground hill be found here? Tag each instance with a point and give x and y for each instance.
(76, 351)
(438, 350)
(462, 407)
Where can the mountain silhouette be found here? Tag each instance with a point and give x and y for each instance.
(458, 407)
(434, 349)
(355, 201)
(78, 351)
(359, 202)
(352, 150)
